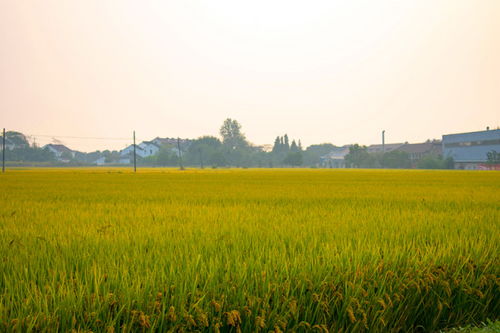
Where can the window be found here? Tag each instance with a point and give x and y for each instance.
(472, 143)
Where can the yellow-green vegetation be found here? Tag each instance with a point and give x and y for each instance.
(248, 250)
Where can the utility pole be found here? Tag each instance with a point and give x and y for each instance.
(383, 141)
(135, 159)
(180, 153)
(3, 151)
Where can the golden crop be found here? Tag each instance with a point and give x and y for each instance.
(248, 250)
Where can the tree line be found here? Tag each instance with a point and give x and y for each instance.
(232, 149)
(359, 157)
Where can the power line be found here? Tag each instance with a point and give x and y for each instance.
(76, 137)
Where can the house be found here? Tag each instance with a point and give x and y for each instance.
(335, 158)
(418, 150)
(61, 152)
(164, 141)
(144, 149)
(148, 148)
(469, 150)
(128, 151)
(14, 140)
(388, 147)
(9, 145)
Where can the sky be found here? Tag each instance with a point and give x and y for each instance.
(88, 73)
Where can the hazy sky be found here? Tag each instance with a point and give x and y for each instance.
(321, 71)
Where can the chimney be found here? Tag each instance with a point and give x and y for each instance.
(383, 141)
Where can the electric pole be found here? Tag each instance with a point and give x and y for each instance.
(180, 153)
(383, 141)
(3, 151)
(135, 159)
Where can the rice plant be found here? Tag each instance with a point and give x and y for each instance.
(248, 250)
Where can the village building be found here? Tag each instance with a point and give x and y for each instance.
(61, 152)
(417, 151)
(143, 150)
(385, 148)
(335, 158)
(470, 150)
(9, 145)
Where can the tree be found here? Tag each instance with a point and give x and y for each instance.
(293, 159)
(17, 138)
(395, 159)
(294, 148)
(66, 156)
(359, 157)
(201, 150)
(313, 153)
(286, 143)
(217, 159)
(232, 137)
(435, 162)
(166, 157)
(277, 145)
(493, 157)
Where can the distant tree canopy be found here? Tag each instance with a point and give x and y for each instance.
(293, 159)
(204, 151)
(493, 157)
(231, 134)
(313, 153)
(17, 138)
(435, 162)
(29, 154)
(395, 160)
(23, 151)
(232, 149)
(358, 157)
(284, 153)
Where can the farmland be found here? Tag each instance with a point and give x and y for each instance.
(248, 250)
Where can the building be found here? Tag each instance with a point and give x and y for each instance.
(469, 150)
(144, 149)
(165, 141)
(9, 145)
(184, 143)
(335, 158)
(418, 150)
(14, 140)
(61, 152)
(384, 148)
(148, 148)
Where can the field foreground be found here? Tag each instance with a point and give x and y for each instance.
(248, 250)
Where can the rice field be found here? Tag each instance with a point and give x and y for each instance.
(248, 250)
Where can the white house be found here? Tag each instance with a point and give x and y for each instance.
(335, 158)
(148, 148)
(59, 150)
(165, 141)
(144, 149)
(128, 151)
(9, 145)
